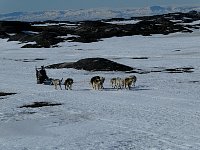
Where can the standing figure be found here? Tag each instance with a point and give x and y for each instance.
(41, 75)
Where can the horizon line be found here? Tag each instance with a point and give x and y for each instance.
(110, 8)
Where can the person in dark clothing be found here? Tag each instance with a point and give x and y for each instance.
(41, 75)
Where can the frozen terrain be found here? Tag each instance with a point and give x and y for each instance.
(160, 113)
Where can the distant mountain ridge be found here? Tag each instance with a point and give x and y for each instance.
(93, 14)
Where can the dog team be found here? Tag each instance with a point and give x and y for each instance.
(126, 83)
(57, 82)
(97, 82)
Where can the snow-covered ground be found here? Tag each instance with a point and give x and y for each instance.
(160, 113)
(124, 22)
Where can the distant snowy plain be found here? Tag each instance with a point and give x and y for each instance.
(94, 13)
(160, 113)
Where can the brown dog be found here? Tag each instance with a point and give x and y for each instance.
(128, 81)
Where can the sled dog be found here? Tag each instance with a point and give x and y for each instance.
(117, 83)
(97, 82)
(68, 83)
(128, 81)
(57, 82)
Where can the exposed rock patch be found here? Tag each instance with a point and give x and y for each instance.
(179, 70)
(40, 104)
(194, 81)
(93, 64)
(140, 58)
(164, 70)
(93, 31)
(5, 94)
(26, 60)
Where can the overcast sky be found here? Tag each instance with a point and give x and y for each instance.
(7, 6)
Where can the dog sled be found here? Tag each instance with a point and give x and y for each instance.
(42, 77)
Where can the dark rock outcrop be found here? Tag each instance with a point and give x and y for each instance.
(40, 104)
(4, 35)
(14, 26)
(93, 64)
(93, 31)
(5, 94)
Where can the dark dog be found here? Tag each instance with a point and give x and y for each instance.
(97, 82)
(68, 83)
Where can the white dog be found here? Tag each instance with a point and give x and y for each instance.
(57, 82)
(117, 83)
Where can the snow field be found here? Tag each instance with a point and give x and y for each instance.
(161, 112)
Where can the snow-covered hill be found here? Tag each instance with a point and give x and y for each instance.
(93, 14)
(160, 113)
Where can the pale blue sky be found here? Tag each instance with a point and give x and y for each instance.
(7, 6)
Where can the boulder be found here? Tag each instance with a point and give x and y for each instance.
(93, 64)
